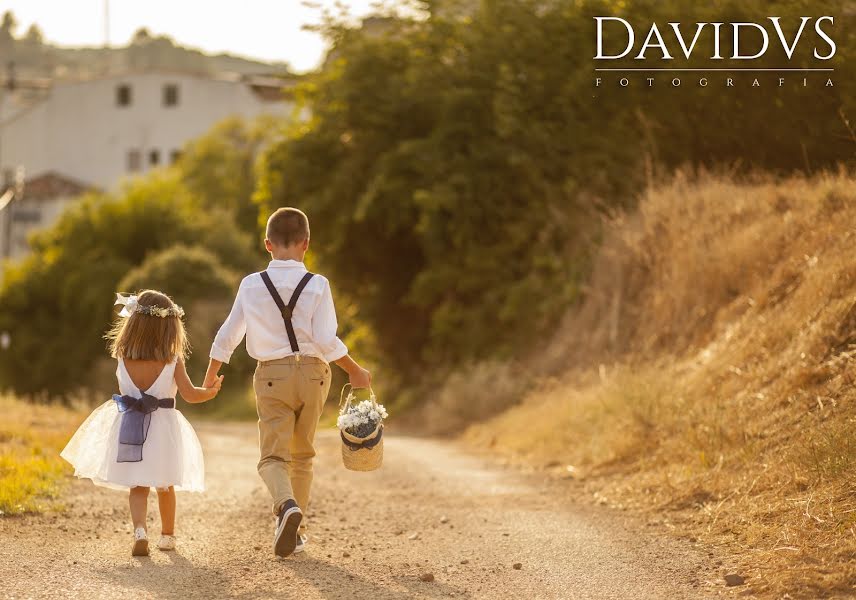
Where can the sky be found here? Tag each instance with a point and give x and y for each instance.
(264, 29)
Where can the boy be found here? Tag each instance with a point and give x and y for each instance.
(288, 317)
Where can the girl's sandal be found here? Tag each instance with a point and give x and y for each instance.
(166, 543)
(141, 543)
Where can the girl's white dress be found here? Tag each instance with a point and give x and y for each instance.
(172, 454)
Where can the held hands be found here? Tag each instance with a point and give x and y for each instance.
(212, 381)
(211, 389)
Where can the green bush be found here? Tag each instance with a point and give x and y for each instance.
(57, 303)
(196, 279)
(187, 274)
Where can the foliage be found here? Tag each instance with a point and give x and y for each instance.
(787, 128)
(183, 273)
(56, 303)
(219, 168)
(196, 279)
(441, 201)
(456, 167)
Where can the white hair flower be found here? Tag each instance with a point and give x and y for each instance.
(131, 304)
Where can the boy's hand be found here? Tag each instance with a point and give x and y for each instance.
(211, 374)
(360, 378)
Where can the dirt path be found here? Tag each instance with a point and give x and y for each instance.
(473, 521)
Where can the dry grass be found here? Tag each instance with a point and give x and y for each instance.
(31, 437)
(720, 336)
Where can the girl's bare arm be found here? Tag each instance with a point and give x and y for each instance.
(191, 393)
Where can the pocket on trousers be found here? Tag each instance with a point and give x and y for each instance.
(273, 392)
(317, 372)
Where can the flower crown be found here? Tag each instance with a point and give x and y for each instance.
(131, 304)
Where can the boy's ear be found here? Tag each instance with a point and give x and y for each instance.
(305, 244)
(268, 245)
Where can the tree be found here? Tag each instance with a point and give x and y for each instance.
(456, 169)
(196, 279)
(436, 171)
(219, 168)
(34, 35)
(7, 28)
(141, 36)
(57, 303)
(9, 24)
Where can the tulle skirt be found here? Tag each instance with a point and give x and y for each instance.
(172, 455)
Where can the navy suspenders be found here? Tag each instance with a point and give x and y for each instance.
(287, 310)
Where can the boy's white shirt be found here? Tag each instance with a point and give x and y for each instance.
(256, 315)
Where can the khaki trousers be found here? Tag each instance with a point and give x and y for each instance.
(290, 394)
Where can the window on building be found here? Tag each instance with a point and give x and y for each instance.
(154, 158)
(134, 161)
(27, 215)
(123, 95)
(174, 156)
(170, 95)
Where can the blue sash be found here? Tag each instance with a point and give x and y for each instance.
(136, 417)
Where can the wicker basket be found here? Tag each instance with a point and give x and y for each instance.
(361, 454)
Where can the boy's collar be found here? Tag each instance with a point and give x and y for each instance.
(288, 263)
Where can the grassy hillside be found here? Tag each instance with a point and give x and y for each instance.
(707, 380)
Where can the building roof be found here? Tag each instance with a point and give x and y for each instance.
(51, 185)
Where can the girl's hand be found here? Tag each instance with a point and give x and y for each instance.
(190, 392)
(212, 391)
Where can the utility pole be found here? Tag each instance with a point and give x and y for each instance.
(11, 188)
(106, 23)
(14, 193)
(5, 198)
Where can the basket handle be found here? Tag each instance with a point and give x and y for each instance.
(346, 400)
(342, 397)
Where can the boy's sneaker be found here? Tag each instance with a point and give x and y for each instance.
(285, 538)
(141, 543)
(166, 543)
(301, 542)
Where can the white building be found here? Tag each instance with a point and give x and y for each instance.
(98, 131)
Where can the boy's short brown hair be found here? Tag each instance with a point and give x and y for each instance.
(287, 226)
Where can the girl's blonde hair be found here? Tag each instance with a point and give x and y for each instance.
(149, 337)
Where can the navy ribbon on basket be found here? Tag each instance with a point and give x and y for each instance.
(367, 444)
(136, 418)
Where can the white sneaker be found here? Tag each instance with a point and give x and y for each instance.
(141, 543)
(166, 542)
(301, 542)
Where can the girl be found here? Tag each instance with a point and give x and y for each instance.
(138, 439)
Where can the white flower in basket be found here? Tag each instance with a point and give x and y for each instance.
(361, 426)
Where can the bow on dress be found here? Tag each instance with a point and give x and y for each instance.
(136, 418)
